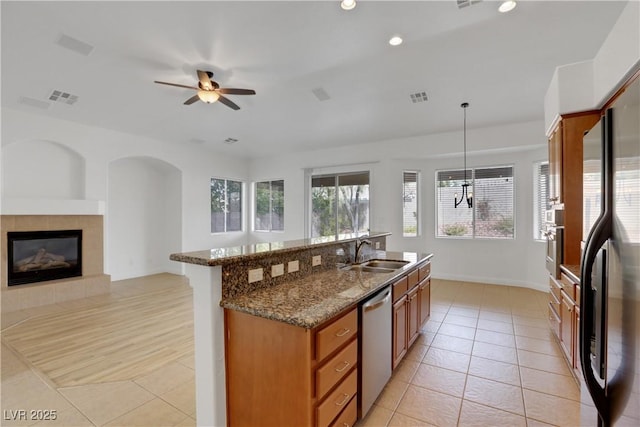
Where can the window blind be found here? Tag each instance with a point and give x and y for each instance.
(410, 203)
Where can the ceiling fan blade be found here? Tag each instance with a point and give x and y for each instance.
(176, 85)
(229, 91)
(191, 100)
(228, 103)
(205, 81)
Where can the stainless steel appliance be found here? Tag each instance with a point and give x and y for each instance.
(554, 232)
(375, 347)
(610, 265)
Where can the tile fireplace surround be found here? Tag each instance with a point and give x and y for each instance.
(93, 280)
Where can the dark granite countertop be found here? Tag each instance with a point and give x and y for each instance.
(573, 271)
(309, 301)
(220, 256)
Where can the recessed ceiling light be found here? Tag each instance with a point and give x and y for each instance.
(507, 6)
(348, 4)
(395, 41)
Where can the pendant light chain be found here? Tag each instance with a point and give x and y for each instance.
(466, 195)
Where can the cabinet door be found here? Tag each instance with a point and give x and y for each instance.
(424, 298)
(567, 325)
(399, 330)
(413, 315)
(555, 165)
(576, 342)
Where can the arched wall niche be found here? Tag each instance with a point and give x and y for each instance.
(144, 217)
(42, 169)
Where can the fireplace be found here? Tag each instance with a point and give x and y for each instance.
(36, 256)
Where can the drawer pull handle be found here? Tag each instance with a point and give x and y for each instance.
(345, 365)
(346, 425)
(343, 332)
(345, 400)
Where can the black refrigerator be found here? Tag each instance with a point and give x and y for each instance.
(610, 266)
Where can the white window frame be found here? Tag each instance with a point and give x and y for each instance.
(255, 205)
(463, 205)
(242, 204)
(538, 220)
(417, 201)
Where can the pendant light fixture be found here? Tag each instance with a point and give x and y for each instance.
(466, 192)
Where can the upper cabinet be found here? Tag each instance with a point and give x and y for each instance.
(565, 176)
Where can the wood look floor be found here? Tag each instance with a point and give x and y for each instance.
(485, 357)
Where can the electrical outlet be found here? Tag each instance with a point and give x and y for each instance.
(277, 270)
(316, 260)
(377, 245)
(255, 275)
(293, 266)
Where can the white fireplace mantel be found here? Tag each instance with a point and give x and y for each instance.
(14, 206)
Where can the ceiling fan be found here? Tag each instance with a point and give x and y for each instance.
(210, 91)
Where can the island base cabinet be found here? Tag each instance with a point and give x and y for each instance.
(399, 330)
(279, 374)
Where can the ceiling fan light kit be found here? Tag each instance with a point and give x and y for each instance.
(208, 96)
(209, 91)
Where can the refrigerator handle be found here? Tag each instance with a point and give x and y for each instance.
(598, 236)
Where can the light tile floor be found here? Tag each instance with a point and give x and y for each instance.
(486, 357)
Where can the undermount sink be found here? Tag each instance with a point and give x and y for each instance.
(368, 269)
(383, 263)
(377, 266)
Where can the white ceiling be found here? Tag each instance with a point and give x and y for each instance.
(500, 63)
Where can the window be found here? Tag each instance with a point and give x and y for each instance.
(540, 197)
(492, 215)
(410, 203)
(339, 204)
(226, 205)
(269, 206)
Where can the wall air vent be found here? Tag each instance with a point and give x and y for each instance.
(321, 94)
(64, 97)
(75, 45)
(230, 141)
(418, 97)
(465, 3)
(36, 103)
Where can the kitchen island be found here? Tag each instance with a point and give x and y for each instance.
(252, 280)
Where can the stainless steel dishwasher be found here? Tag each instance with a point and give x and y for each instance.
(375, 347)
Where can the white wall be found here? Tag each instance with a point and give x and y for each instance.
(589, 85)
(145, 220)
(98, 148)
(515, 262)
(43, 168)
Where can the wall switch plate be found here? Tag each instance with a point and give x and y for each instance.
(316, 260)
(255, 275)
(293, 266)
(377, 245)
(277, 270)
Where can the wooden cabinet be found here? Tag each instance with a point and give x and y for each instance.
(411, 309)
(565, 176)
(564, 315)
(399, 330)
(555, 165)
(280, 374)
(567, 327)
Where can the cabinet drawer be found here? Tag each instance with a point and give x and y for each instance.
(336, 368)
(337, 400)
(578, 295)
(413, 278)
(554, 322)
(554, 303)
(424, 271)
(349, 416)
(400, 288)
(568, 286)
(555, 288)
(337, 333)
